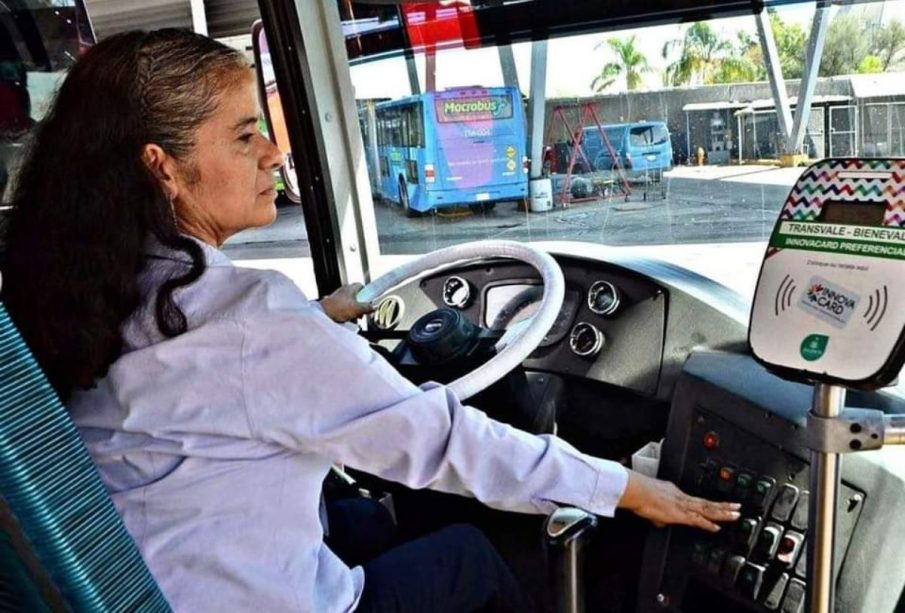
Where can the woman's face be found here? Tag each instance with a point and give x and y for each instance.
(227, 184)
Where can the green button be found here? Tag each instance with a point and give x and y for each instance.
(814, 346)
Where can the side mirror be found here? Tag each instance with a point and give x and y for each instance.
(272, 106)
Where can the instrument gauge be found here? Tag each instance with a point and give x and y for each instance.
(603, 298)
(586, 340)
(456, 292)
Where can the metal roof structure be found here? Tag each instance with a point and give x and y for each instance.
(224, 18)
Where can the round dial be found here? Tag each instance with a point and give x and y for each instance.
(456, 292)
(603, 298)
(586, 340)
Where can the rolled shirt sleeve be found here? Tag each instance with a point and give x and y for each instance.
(315, 386)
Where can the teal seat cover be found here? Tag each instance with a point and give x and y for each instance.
(60, 506)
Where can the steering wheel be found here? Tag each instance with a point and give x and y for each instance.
(519, 341)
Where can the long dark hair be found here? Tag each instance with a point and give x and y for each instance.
(86, 204)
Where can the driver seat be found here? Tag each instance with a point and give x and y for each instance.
(63, 546)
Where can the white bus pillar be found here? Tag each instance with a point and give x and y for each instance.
(809, 79)
(777, 83)
(507, 64)
(540, 188)
(199, 17)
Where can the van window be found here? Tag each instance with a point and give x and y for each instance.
(645, 136)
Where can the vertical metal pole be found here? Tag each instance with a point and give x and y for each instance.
(507, 66)
(430, 68)
(774, 72)
(412, 69)
(829, 401)
(687, 137)
(537, 106)
(809, 79)
(199, 17)
(739, 140)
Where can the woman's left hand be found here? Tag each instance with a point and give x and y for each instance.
(341, 306)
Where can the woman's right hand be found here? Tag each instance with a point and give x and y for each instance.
(663, 503)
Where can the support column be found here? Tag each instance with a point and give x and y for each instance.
(774, 72)
(537, 107)
(430, 68)
(507, 64)
(199, 17)
(412, 69)
(809, 79)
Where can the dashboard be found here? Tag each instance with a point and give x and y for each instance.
(614, 324)
(643, 349)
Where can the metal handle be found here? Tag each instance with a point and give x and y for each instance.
(567, 532)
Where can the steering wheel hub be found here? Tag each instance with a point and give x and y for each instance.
(441, 336)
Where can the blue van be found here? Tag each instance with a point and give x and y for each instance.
(641, 146)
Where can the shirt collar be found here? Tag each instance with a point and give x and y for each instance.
(212, 255)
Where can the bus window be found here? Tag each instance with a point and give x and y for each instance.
(37, 46)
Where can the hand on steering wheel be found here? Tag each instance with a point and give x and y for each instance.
(515, 347)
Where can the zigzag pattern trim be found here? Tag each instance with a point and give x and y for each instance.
(895, 218)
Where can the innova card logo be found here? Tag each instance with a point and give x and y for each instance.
(830, 302)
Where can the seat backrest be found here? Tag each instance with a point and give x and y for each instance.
(62, 544)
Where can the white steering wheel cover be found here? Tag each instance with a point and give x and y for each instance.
(516, 350)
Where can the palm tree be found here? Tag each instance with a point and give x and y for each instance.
(700, 54)
(629, 61)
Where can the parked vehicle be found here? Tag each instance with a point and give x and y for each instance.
(451, 148)
(640, 146)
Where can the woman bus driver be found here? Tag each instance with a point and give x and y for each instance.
(213, 399)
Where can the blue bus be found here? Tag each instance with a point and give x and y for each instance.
(463, 146)
(641, 146)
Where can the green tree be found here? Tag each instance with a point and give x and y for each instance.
(743, 64)
(870, 64)
(890, 43)
(846, 47)
(700, 53)
(791, 44)
(629, 62)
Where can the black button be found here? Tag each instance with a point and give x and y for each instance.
(785, 502)
(801, 569)
(715, 561)
(800, 517)
(743, 484)
(732, 567)
(794, 600)
(750, 580)
(768, 541)
(745, 532)
(774, 593)
(700, 553)
(762, 488)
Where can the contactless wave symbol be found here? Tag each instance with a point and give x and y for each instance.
(783, 299)
(876, 308)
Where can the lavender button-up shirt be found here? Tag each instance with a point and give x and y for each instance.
(214, 444)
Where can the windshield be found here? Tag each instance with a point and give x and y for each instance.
(697, 165)
(696, 169)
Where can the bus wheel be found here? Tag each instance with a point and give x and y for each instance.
(404, 199)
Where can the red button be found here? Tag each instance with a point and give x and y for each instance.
(711, 441)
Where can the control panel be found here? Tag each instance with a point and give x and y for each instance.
(760, 561)
(737, 433)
